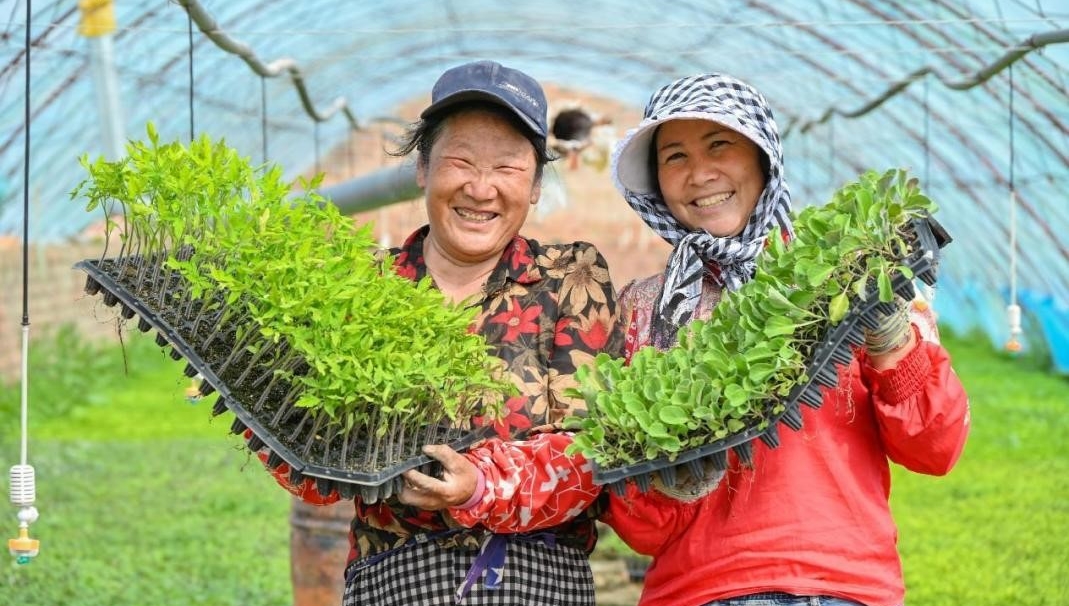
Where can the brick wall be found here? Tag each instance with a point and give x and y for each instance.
(56, 297)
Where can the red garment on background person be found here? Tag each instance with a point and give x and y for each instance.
(812, 516)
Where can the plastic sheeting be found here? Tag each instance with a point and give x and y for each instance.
(810, 59)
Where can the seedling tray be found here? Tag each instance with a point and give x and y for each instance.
(292, 435)
(834, 350)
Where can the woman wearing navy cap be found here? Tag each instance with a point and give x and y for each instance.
(507, 522)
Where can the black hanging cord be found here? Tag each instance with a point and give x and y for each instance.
(317, 146)
(927, 135)
(831, 152)
(263, 116)
(22, 487)
(349, 152)
(192, 132)
(26, 184)
(1011, 128)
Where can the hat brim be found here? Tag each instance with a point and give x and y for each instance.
(631, 163)
(481, 95)
(631, 167)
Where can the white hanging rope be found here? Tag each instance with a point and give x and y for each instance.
(1013, 310)
(25, 399)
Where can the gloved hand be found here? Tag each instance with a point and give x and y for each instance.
(688, 488)
(893, 332)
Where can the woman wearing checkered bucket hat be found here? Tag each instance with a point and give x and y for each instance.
(808, 522)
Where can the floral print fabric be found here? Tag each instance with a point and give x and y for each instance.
(545, 311)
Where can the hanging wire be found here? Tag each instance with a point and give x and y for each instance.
(23, 489)
(25, 243)
(1013, 310)
(263, 117)
(1032, 43)
(927, 290)
(1011, 128)
(349, 156)
(316, 137)
(26, 230)
(831, 152)
(192, 132)
(278, 67)
(927, 137)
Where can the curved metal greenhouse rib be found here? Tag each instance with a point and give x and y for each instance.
(276, 68)
(817, 64)
(1034, 42)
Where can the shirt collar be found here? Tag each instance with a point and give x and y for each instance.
(517, 263)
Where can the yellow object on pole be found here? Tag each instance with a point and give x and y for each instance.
(23, 548)
(98, 18)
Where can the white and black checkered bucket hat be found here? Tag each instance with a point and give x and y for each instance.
(728, 101)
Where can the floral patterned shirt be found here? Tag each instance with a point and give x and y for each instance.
(545, 311)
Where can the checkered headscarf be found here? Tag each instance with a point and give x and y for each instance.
(735, 104)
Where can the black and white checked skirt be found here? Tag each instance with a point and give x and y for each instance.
(427, 574)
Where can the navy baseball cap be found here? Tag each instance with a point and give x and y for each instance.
(493, 82)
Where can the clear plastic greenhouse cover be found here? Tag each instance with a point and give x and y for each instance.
(855, 85)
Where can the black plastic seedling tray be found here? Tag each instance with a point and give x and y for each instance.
(833, 351)
(372, 482)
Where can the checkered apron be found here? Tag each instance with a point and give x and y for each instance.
(535, 572)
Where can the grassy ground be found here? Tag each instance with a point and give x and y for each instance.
(994, 530)
(144, 500)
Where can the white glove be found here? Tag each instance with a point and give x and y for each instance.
(893, 331)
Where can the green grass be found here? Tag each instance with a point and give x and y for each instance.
(995, 530)
(145, 499)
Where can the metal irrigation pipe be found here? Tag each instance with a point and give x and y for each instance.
(1034, 42)
(208, 25)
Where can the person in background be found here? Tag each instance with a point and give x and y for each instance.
(500, 525)
(573, 132)
(809, 522)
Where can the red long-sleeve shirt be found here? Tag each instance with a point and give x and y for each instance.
(812, 516)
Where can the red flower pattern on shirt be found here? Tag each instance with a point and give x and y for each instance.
(514, 418)
(562, 337)
(518, 320)
(545, 309)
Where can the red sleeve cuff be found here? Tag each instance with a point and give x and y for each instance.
(907, 378)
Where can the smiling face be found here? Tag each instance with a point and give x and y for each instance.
(710, 176)
(479, 182)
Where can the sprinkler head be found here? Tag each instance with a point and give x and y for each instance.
(23, 548)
